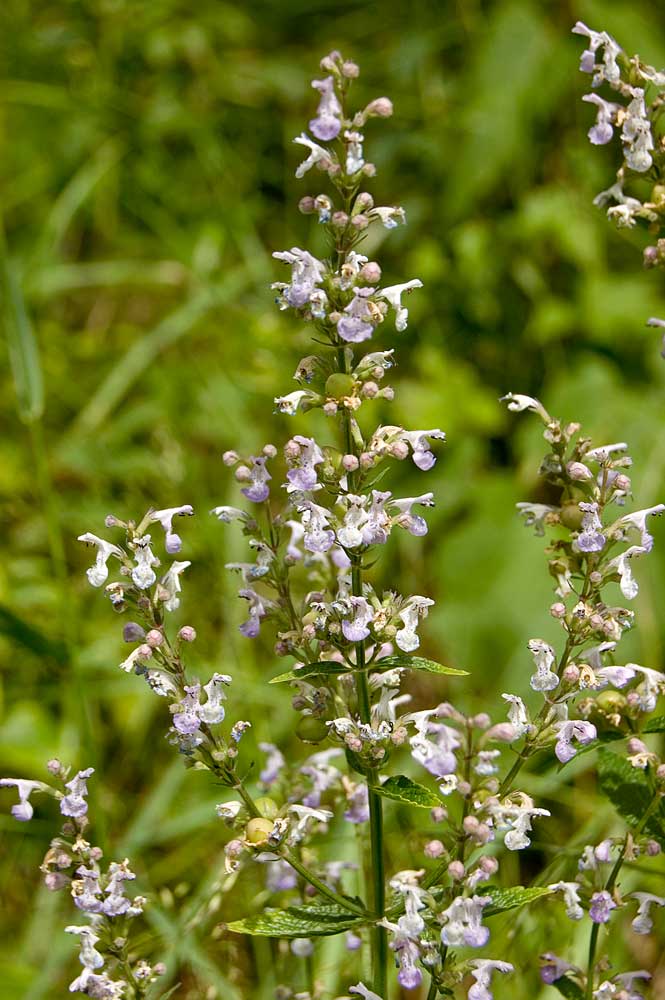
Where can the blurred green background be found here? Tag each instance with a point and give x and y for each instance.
(146, 176)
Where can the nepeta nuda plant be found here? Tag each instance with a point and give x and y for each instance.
(637, 117)
(316, 521)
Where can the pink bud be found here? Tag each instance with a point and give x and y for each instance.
(230, 457)
(370, 390)
(243, 474)
(503, 732)
(489, 864)
(340, 219)
(154, 638)
(187, 633)
(371, 272)
(360, 222)
(350, 70)
(571, 674)
(480, 721)
(382, 107)
(558, 610)
(269, 450)
(433, 849)
(438, 814)
(306, 205)
(350, 463)
(456, 870)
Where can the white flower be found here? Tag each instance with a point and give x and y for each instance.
(354, 152)
(609, 70)
(517, 403)
(170, 585)
(305, 814)
(89, 956)
(482, 973)
(143, 574)
(636, 134)
(393, 295)
(388, 215)
(544, 678)
(98, 573)
(289, 404)
(517, 715)
(638, 520)
(317, 154)
(415, 609)
(642, 923)
(571, 896)
(212, 711)
(621, 565)
(23, 811)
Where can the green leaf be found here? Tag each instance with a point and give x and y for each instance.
(403, 789)
(509, 899)
(630, 790)
(296, 921)
(417, 663)
(656, 725)
(311, 670)
(23, 349)
(568, 988)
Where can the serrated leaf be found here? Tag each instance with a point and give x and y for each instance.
(656, 725)
(311, 670)
(630, 791)
(295, 921)
(510, 899)
(403, 789)
(417, 663)
(326, 913)
(568, 988)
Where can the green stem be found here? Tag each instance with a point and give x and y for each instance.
(302, 870)
(609, 886)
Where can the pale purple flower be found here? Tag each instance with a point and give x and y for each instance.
(187, 720)
(289, 404)
(74, 804)
(98, 573)
(23, 811)
(602, 132)
(259, 491)
(609, 71)
(355, 629)
(414, 523)
(417, 607)
(601, 907)
(642, 923)
(423, 456)
(274, 764)
(517, 715)
(116, 903)
(318, 537)
(517, 814)
(212, 711)
(306, 273)
(322, 773)
(257, 611)
(377, 525)
(389, 216)
(437, 754)
(583, 732)
(482, 973)
(591, 537)
(627, 981)
(405, 882)
(86, 890)
(165, 517)
(143, 574)
(358, 800)
(544, 679)
(407, 953)
(553, 967)
(303, 477)
(350, 534)
(238, 729)
(355, 325)
(651, 686)
(317, 154)
(228, 514)
(463, 924)
(327, 123)
(297, 534)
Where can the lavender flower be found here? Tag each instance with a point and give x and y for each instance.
(23, 811)
(165, 518)
(482, 973)
(74, 803)
(601, 906)
(98, 573)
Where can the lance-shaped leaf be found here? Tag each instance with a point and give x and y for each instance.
(311, 670)
(568, 988)
(655, 725)
(296, 921)
(403, 789)
(631, 791)
(510, 899)
(417, 663)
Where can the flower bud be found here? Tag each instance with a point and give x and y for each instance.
(623, 483)
(489, 864)
(480, 721)
(652, 848)
(230, 457)
(154, 638)
(53, 766)
(340, 220)
(503, 732)
(370, 390)
(132, 632)
(329, 62)
(382, 107)
(187, 633)
(330, 408)
(350, 70)
(243, 474)
(371, 272)
(350, 463)
(306, 205)
(111, 521)
(433, 849)
(269, 450)
(579, 471)
(363, 202)
(456, 870)
(369, 170)
(471, 824)
(571, 674)
(367, 460)
(360, 222)
(399, 450)
(635, 745)
(558, 610)
(650, 256)
(660, 772)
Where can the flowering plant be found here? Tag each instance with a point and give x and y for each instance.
(354, 649)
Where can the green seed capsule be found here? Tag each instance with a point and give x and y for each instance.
(339, 385)
(267, 807)
(258, 830)
(311, 730)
